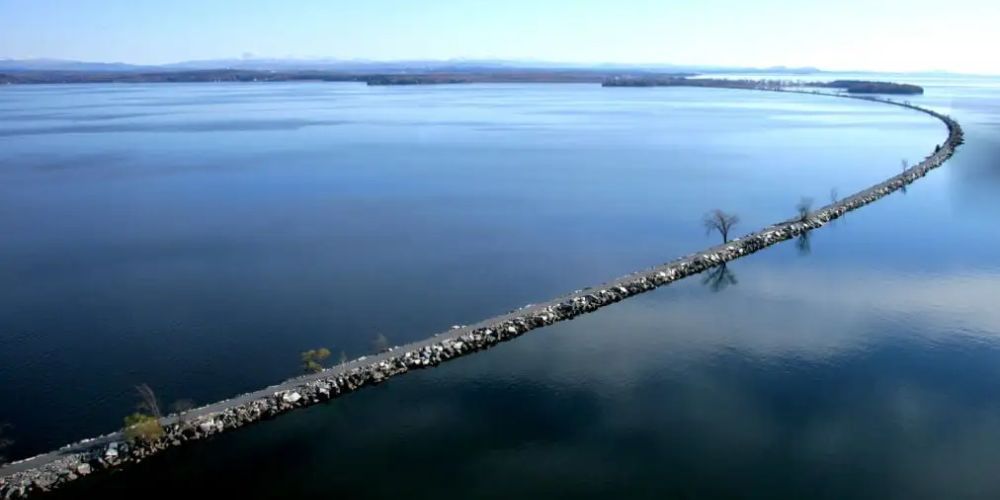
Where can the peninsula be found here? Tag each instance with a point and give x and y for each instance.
(849, 86)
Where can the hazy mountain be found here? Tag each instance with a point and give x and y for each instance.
(367, 66)
(64, 65)
(361, 65)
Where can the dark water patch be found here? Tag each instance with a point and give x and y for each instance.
(77, 117)
(59, 163)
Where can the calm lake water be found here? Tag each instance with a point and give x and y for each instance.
(197, 237)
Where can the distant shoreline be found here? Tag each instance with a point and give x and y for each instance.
(604, 78)
(35, 77)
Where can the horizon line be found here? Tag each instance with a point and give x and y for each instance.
(496, 60)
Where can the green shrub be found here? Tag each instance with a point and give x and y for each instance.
(312, 360)
(142, 427)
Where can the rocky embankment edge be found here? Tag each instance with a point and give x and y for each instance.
(52, 470)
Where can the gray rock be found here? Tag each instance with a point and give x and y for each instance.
(207, 426)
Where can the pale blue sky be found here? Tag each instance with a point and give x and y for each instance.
(890, 35)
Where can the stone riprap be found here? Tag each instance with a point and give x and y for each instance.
(51, 470)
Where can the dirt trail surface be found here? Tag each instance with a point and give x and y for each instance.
(54, 469)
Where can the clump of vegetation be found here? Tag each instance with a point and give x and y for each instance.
(144, 425)
(720, 221)
(312, 360)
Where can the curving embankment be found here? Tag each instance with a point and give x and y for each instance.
(57, 468)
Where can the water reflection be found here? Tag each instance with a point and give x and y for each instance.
(976, 174)
(639, 401)
(719, 278)
(803, 243)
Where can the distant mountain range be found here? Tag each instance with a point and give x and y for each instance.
(367, 66)
(63, 65)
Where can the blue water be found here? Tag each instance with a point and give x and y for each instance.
(198, 237)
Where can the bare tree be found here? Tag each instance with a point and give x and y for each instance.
(804, 207)
(144, 425)
(4, 443)
(148, 402)
(181, 406)
(834, 199)
(343, 358)
(380, 343)
(720, 221)
(905, 164)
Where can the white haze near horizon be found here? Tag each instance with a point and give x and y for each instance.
(888, 35)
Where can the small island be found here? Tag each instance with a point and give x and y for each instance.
(870, 87)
